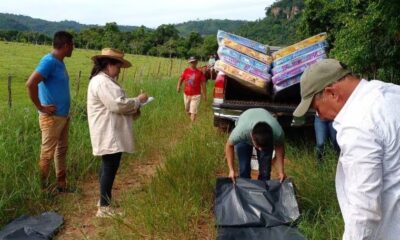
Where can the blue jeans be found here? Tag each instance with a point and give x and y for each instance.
(244, 152)
(323, 132)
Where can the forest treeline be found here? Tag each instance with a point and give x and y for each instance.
(363, 34)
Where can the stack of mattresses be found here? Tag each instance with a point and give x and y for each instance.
(290, 62)
(244, 60)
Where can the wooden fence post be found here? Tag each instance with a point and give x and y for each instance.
(140, 74)
(123, 75)
(134, 73)
(170, 67)
(148, 72)
(78, 82)
(180, 66)
(9, 91)
(158, 71)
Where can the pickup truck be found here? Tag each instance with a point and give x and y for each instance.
(232, 98)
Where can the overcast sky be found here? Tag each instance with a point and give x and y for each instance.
(150, 13)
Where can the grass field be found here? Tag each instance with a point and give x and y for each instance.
(177, 202)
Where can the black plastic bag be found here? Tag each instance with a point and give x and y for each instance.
(38, 227)
(255, 203)
(253, 209)
(260, 233)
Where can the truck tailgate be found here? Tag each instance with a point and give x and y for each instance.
(270, 106)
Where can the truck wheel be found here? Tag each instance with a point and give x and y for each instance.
(223, 125)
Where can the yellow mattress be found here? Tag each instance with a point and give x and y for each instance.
(256, 83)
(248, 51)
(297, 46)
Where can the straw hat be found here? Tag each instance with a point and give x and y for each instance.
(114, 54)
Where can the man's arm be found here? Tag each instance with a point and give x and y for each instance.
(230, 155)
(280, 157)
(33, 92)
(361, 161)
(178, 86)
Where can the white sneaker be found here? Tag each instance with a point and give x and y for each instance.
(115, 204)
(104, 212)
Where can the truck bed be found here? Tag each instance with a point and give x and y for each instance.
(239, 98)
(269, 105)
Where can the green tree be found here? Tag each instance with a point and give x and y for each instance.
(181, 48)
(210, 45)
(112, 36)
(171, 46)
(363, 34)
(194, 40)
(92, 38)
(141, 40)
(164, 33)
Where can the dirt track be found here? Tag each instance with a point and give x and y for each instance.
(80, 209)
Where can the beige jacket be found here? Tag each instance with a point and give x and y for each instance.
(110, 116)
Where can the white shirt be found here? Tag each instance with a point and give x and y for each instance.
(110, 115)
(368, 171)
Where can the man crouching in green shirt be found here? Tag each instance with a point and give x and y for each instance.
(259, 129)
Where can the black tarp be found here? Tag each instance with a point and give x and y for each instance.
(253, 209)
(260, 233)
(38, 227)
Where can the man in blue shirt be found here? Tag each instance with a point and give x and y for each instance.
(48, 88)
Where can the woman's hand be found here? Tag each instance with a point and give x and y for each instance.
(143, 97)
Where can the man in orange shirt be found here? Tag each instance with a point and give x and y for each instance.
(195, 86)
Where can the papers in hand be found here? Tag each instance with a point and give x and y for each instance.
(150, 99)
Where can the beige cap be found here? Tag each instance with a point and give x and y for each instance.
(192, 59)
(114, 54)
(315, 78)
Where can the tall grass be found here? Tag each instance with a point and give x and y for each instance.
(19, 129)
(177, 204)
(178, 201)
(19, 151)
(321, 217)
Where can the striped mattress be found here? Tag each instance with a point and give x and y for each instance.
(244, 62)
(300, 45)
(247, 51)
(242, 41)
(242, 76)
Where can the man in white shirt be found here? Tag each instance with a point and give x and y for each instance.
(367, 121)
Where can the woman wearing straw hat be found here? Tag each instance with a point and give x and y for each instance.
(110, 114)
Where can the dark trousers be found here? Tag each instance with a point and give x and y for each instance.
(108, 170)
(244, 152)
